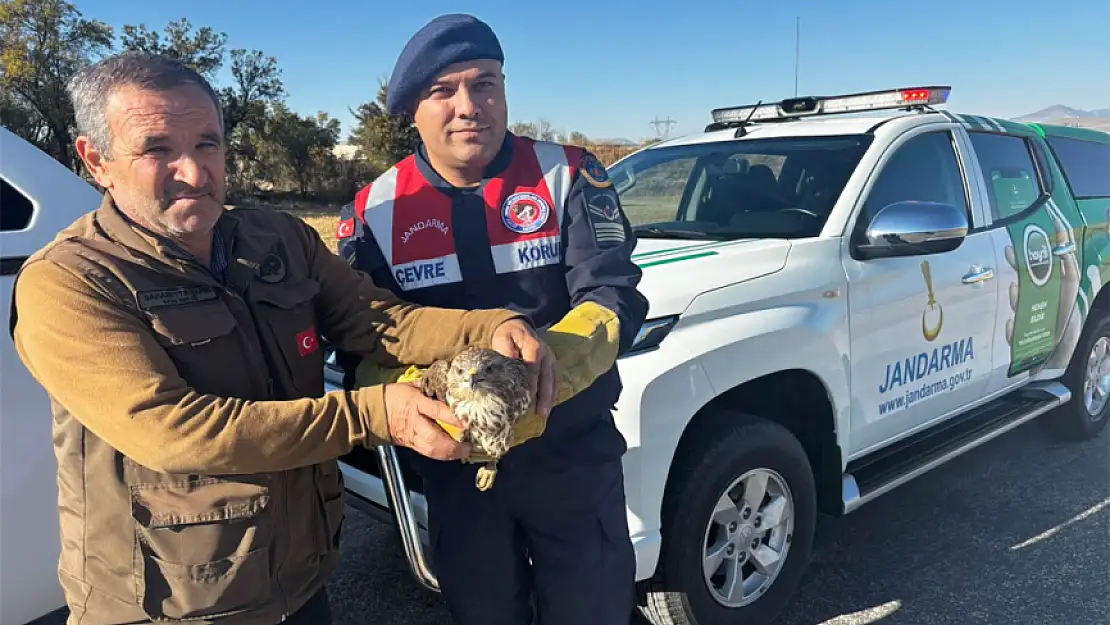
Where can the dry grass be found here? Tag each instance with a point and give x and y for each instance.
(323, 222)
(324, 218)
(609, 154)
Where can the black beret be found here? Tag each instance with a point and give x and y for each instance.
(447, 39)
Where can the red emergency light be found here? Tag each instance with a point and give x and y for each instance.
(915, 95)
(829, 105)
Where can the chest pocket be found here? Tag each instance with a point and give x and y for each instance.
(286, 316)
(198, 337)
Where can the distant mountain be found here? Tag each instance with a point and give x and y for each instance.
(1061, 111)
(1098, 119)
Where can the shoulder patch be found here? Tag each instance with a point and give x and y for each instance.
(603, 210)
(594, 172)
(345, 228)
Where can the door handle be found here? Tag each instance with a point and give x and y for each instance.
(979, 276)
(1065, 249)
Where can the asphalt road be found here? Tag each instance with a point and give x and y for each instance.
(1017, 532)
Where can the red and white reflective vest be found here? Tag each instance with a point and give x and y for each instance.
(505, 238)
(541, 234)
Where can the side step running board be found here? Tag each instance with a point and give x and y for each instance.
(868, 478)
(400, 502)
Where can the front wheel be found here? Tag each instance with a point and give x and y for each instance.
(739, 531)
(1088, 379)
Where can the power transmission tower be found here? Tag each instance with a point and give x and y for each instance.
(667, 123)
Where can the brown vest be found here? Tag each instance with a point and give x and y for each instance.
(141, 545)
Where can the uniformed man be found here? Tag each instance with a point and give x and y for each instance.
(180, 344)
(479, 218)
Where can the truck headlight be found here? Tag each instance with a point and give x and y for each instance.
(651, 334)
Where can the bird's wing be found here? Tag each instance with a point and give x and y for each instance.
(519, 396)
(434, 382)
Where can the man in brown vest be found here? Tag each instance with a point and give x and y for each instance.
(180, 344)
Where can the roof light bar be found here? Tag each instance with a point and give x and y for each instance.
(828, 105)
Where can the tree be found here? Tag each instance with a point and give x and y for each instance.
(577, 138)
(545, 131)
(203, 51)
(383, 139)
(257, 82)
(257, 77)
(257, 86)
(523, 129)
(22, 120)
(44, 43)
(305, 144)
(541, 130)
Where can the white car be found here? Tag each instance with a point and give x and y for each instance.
(845, 293)
(38, 198)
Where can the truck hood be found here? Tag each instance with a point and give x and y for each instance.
(675, 272)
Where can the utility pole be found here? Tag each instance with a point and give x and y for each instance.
(797, 50)
(667, 123)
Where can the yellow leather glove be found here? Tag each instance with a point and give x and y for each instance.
(584, 343)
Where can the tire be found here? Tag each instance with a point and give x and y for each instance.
(1073, 421)
(679, 594)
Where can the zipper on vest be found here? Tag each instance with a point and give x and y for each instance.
(258, 339)
(281, 547)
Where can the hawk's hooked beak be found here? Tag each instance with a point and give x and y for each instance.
(472, 378)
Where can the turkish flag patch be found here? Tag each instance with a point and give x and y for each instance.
(306, 342)
(345, 228)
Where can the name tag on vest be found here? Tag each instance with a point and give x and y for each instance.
(175, 296)
(421, 274)
(528, 254)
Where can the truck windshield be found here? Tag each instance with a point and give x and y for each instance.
(748, 188)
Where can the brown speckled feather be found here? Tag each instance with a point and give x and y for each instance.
(490, 393)
(434, 382)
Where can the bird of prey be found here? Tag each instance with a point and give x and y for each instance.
(489, 393)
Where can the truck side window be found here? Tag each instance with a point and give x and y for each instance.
(657, 192)
(925, 169)
(1011, 174)
(1086, 166)
(15, 208)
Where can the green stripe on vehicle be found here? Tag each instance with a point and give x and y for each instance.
(675, 259)
(1073, 132)
(681, 249)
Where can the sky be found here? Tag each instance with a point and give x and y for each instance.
(608, 69)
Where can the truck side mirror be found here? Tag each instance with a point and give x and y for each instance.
(913, 228)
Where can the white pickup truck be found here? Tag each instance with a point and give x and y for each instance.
(845, 292)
